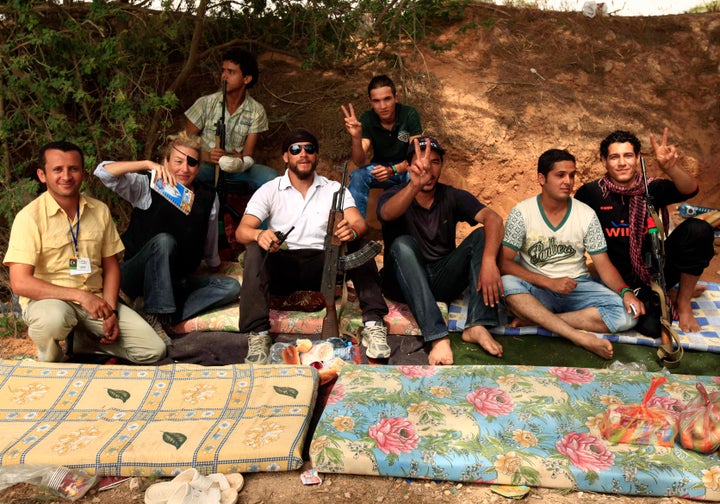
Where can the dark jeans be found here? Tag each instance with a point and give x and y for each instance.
(688, 249)
(287, 271)
(408, 277)
(151, 273)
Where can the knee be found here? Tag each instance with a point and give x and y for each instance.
(51, 317)
(701, 232)
(404, 248)
(513, 285)
(229, 285)
(360, 177)
(263, 174)
(150, 353)
(163, 243)
(625, 322)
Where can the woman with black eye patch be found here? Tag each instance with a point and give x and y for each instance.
(164, 245)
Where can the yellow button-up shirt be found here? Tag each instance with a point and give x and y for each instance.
(41, 237)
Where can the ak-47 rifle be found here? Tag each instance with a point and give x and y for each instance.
(333, 247)
(220, 129)
(669, 356)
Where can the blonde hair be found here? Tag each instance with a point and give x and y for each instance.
(184, 140)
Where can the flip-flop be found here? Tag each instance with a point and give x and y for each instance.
(188, 494)
(227, 487)
(159, 493)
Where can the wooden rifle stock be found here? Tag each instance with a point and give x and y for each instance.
(333, 245)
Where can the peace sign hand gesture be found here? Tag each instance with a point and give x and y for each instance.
(420, 169)
(665, 154)
(352, 125)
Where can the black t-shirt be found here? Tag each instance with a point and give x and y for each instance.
(614, 212)
(434, 228)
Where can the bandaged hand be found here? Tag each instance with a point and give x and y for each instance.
(232, 164)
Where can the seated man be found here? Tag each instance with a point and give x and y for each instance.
(163, 245)
(619, 201)
(387, 128)
(422, 263)
(545, 274)
(303, 199)
(245, 119)
(63, 261)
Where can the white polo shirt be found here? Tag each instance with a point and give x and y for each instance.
(283, 207)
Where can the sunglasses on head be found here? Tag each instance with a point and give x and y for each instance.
(191, 161)
(297, 149)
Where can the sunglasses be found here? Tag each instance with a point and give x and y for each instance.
(297, 149)
(191, 161)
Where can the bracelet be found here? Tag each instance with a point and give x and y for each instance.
(394, 169)
(355, 232)
(257, 238)
(624, 290)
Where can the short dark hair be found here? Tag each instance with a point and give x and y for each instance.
(60, 145)
(619, 136)
(246, 61)
(381, 81)
(547, 159)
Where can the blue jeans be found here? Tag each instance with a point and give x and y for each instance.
(422, 284)
(587, 294)
(151, 273)
(362, 180)
(256, 176)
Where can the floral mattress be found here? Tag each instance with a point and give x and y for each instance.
(144, 420)
(508, 425)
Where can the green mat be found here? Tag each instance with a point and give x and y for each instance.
(549, 351)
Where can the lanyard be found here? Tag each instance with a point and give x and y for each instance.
(76, 233)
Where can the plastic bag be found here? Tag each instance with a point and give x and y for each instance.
(640, 424)
(71, 484)
(700, 422)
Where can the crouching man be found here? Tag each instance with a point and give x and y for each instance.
(63, 262)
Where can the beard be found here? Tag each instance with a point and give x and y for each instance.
(302, 175)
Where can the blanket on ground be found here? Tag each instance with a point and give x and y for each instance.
(401, 321)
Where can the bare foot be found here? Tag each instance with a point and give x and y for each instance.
(599, 346)
(441, 352)
(520, 322)
(687, 320)
(697, 292)
(478, 334)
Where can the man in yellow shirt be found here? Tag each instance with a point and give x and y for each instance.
(63, 262)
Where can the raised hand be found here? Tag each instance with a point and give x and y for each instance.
(420, 169)
(352, 125)
(665, 154)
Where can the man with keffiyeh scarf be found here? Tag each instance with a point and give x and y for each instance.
(618, 198)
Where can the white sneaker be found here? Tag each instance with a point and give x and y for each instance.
(258, 349)
(375, 339)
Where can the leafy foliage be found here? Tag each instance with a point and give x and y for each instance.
(105, 75)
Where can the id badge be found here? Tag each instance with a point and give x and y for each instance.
(80, 266)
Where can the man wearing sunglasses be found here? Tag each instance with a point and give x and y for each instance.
(301, 200)
(422, 263)
(163, 245)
